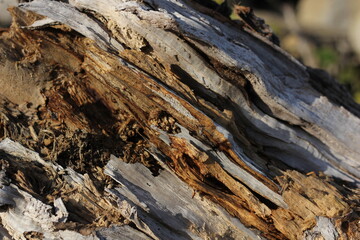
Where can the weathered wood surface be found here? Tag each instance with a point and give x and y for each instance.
(143, 199)
(223, 125)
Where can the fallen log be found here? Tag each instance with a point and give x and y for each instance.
(166, 120)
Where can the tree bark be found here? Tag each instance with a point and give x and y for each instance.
(165, 120)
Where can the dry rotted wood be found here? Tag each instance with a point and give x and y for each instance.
(213, 126)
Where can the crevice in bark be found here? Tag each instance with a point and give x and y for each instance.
(198, 89)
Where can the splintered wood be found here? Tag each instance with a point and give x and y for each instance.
(150, 120)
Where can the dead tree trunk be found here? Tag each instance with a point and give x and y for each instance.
(161, 119)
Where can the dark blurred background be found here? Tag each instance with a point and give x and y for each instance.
(320, 33)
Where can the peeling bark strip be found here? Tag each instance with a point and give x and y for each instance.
(211, 130)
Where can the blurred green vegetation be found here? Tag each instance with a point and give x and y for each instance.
(350, 75)
(326, 56)
(219, 1)
(345, 68)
